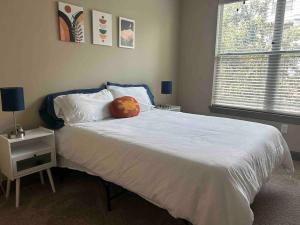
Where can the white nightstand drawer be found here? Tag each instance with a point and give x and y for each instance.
(31, 163)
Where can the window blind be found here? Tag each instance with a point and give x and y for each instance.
(257, 62)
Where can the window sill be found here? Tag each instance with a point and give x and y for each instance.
(282, 118)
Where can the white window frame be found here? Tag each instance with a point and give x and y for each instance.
(274, 55)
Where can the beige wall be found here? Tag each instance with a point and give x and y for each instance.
(197, 45)
(33, 57)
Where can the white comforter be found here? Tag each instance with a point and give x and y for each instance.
(203, 169)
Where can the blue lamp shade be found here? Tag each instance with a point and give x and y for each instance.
(166, 87)
(12, 99)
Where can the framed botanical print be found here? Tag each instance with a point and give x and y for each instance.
(126, 33)
(102, 28)
(71, 23)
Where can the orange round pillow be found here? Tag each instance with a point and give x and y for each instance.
(124, 107)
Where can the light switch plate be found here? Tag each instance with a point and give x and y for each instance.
(284, 128)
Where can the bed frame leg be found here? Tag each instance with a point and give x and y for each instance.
(61, 173)
(187, 222)
(108, 198)
(110, 194)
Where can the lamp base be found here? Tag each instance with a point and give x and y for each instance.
(16, 133)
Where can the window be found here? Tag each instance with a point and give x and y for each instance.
(257, 62)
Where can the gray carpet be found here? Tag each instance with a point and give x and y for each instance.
(80, 201)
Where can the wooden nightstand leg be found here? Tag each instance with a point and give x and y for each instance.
(42, 177)
(8, 188)
(17, 192)
(51, 180)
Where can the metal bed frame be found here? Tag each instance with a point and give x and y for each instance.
(110, 196)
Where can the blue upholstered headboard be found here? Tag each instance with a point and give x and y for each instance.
(47, 112)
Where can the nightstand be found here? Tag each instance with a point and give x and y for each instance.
(169, 107)
(24, 156)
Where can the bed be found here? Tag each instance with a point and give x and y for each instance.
(204, 169)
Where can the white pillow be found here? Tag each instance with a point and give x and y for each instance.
(80, 108)
(139, 93)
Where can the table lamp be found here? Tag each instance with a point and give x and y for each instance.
(166, 87)
(13, 100)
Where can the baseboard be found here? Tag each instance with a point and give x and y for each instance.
(295, 156)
